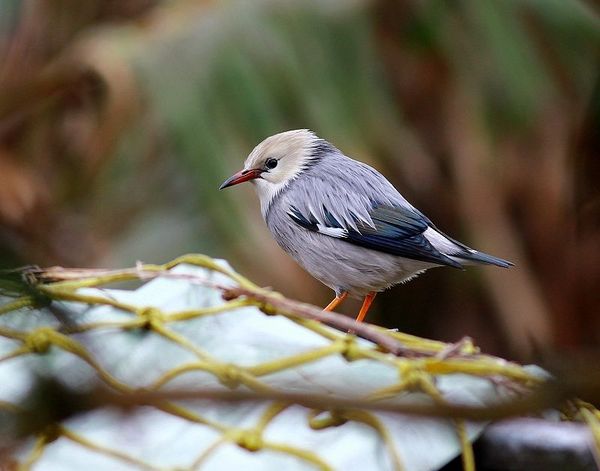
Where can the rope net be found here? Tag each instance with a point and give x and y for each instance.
(199, 363)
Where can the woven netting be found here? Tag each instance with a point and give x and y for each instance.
(215, 372)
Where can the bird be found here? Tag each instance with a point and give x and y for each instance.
(343, 221)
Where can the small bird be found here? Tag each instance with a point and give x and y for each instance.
(343, 221)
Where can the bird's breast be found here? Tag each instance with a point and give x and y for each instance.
(336, 263)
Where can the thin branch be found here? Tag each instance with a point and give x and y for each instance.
(550, 395)
(272, 302)
(269, 301)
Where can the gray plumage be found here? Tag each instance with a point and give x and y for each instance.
(343, 221)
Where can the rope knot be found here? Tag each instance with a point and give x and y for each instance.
(250, 440)
(39, 340)
(268, 309)
(51, 433)
(468, 347)
(319, 420)
(350, 349)
(410, 375)
(230, 376)
(152, 316)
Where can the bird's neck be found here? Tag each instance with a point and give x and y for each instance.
(267, 192)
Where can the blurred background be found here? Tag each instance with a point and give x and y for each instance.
(119, 119)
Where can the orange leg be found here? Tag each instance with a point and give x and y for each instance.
(336, 301)
(366, 305)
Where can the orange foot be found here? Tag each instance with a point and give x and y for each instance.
(365, 306)
(336, 301)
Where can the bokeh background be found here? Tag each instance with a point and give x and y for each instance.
(120, 118)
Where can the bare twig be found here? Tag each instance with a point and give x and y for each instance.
(272, 302)
(269, 301)
(549, 395)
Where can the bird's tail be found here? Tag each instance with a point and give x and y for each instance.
(467, 256)
(481, 257)
(461, 253)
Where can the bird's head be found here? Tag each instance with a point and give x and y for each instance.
(278, 160)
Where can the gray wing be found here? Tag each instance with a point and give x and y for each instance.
(355, 203)
(396, 231)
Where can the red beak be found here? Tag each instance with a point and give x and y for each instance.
(241, 177)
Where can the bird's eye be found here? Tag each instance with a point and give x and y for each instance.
(271, 163)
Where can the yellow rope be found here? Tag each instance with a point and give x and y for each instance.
(591, 416)
(34, 455)
(17, 304)
(207, 452)
(118, 455)
(300, 453)
(372, 421)
(188, 314)
(468, 458)
(295, 360)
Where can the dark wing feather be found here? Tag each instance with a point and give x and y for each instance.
(398, 230)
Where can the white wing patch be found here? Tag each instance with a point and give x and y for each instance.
(321, 228)
(332, 231)
(443, 244)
